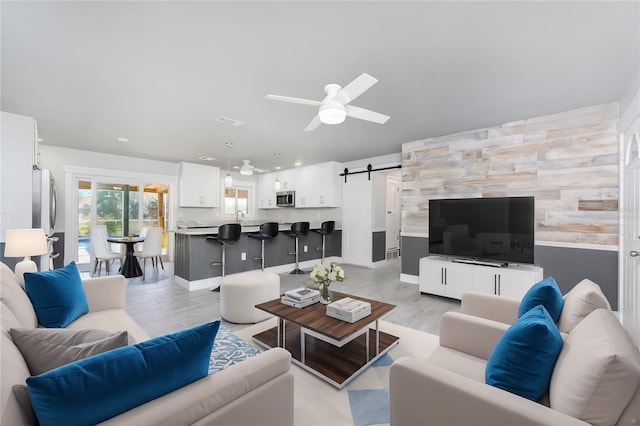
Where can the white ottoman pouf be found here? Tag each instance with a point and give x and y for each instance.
(239, 293)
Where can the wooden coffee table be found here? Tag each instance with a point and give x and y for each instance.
(332, 349)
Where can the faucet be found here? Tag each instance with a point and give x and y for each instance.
(241, 212)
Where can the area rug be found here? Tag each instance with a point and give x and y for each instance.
(229, 349)
(365, 400)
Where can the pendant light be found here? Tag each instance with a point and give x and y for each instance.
(228, 181)
(276, 185)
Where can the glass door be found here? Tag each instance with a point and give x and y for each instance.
(84, 222)
(154, 209)
(118, 207)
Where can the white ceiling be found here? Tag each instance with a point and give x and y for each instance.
(158, 73)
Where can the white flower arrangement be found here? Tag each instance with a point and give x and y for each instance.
(326, 274)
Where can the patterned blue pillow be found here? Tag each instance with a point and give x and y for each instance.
(523, 360)
(545, 293)
(97, 388)
(57, 296)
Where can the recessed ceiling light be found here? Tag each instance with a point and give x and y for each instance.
(298, 163)
(277, 167)
(228, 121)
(40, 139)
(206, 158)
(122, 139)
(236, 167)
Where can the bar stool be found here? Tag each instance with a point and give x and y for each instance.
(228, 235)
(326, 228)
(267, 230)
(298, 229)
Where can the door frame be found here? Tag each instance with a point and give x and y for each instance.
(74, 174)
(397, 178)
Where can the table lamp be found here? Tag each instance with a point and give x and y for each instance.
(27, 243)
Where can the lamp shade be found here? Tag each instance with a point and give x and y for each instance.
(228, 181)
(25, 242)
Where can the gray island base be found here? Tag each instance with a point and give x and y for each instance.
(195, 253)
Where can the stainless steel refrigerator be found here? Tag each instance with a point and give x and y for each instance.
(44, 212)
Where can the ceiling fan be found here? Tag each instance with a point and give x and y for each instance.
(334, 107)
(248, 169)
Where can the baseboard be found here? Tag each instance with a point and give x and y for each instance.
(206, 283)
(410, 279)
(384, 262)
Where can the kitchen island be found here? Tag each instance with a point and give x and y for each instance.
(194, 253)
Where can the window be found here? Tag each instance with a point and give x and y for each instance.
(240, 197)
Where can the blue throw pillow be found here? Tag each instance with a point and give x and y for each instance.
(523, 360)
(545, 293)
(97, 388)
(57, 296)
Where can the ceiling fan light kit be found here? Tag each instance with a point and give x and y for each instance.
(334, 107)
(332, 112)
(246, 169)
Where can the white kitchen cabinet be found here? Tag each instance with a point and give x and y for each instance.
(287, 179)
(439, 275)
(444, 278)
(318, 185)
(199, 186)
(266, 191)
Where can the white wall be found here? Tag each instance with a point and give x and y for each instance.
(56, 158)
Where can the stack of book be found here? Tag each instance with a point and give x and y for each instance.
(348, 309)
(300, 297)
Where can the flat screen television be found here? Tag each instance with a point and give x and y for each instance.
(498, 230)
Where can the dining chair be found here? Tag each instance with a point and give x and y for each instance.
(143, 234)
(100, 250)
(152, 249)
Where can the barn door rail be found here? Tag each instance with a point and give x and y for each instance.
(369, 169)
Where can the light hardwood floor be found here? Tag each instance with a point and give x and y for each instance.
(160, 306)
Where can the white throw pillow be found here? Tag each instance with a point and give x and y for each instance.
(597, 372)
(579, 302)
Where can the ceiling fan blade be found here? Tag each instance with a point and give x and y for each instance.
(355, 88)
(314, 124)
(365, 114)
(293, 100)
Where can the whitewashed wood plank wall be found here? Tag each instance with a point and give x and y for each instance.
(568, 161)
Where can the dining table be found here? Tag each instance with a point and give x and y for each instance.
(130, 267)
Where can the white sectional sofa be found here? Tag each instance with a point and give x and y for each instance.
(256, 391)
(596, 379)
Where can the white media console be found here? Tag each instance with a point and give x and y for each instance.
(451, 276)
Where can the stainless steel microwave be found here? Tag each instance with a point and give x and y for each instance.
(286, 199)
